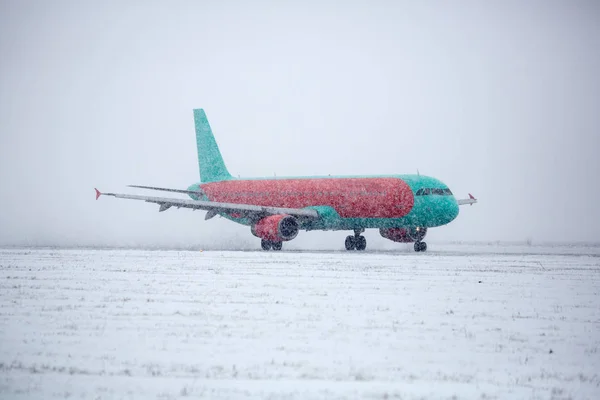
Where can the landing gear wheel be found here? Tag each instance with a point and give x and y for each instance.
(350, 243)
(360, 242)
(356, 242)
(420, 246)
(265, 244)
(277, 245)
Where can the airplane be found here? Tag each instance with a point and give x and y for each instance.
(402, 207)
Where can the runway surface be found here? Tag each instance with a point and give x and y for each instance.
(460, 322)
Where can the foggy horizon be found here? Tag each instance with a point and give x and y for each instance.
(495, 99)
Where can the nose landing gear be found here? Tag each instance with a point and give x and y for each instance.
(420, 246)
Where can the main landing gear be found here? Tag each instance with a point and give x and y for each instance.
(268, 245)
(356, 242)
(420, 246)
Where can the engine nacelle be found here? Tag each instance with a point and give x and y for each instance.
(276, 228)
(403, 235)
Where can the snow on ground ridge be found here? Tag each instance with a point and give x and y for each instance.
(139, 324)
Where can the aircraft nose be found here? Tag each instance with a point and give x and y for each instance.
(453, 209)
(442, 210)
(448, 209)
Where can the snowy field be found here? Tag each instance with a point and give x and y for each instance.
(467, 322)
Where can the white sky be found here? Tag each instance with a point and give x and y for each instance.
(499, 99)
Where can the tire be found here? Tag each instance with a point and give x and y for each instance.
(423, 246)
(277, 245)
(350, 243)
(265, 244)
(361, 243)
(417, 246)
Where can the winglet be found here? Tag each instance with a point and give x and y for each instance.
(471, 196)
(98, 194)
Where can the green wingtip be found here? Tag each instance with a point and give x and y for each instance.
(210, 162)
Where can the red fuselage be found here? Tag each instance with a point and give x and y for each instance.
(350, 197)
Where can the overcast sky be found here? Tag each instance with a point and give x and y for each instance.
(500, 99)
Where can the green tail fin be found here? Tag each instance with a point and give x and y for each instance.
(210, 162)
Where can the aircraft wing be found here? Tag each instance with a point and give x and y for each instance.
(214, 208)
(471, 200)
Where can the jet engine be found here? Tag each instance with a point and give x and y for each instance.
(276, 228)
(403, 235)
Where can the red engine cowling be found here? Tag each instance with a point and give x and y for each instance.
(403, 235)
(276, 228)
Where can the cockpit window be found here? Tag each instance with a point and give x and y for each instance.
(428, 191)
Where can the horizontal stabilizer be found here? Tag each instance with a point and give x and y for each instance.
(184, 191)
(470, 201)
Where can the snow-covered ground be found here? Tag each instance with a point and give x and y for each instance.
(456, 322)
